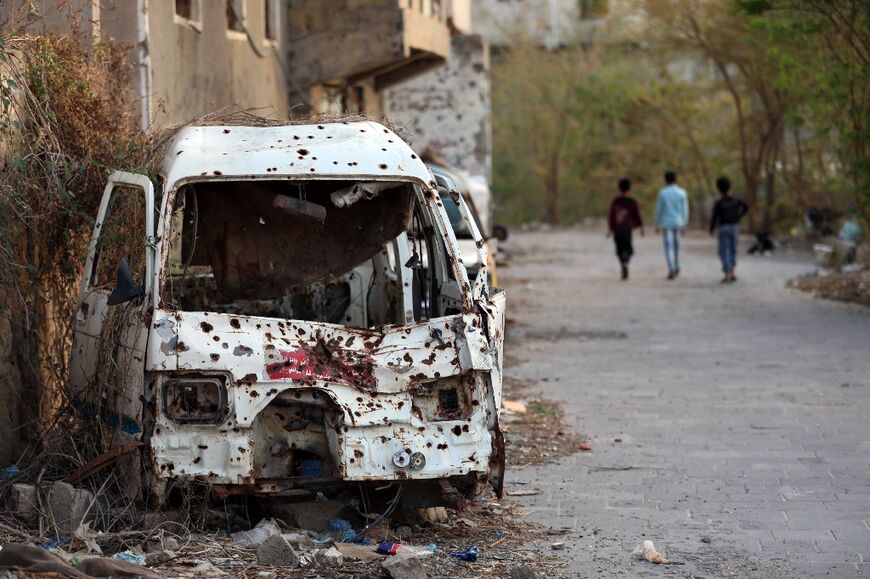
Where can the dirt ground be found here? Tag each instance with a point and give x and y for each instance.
(727, 423)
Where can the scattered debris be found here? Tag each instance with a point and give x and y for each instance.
(560, 546)
(265, 529)
(468, 554)
(354, 552)
(648, 551)
(130, 557)
(585, 447)
(514, 406)
(706, 539)
(851, 285)
(523, 493)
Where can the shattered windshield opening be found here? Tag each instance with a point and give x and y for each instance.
(308, 250)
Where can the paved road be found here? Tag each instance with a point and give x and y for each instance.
(729, 424)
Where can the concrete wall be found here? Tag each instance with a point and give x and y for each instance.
(200, 66)
(448, 109)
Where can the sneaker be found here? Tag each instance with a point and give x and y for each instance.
(672, 275)
(624, 272)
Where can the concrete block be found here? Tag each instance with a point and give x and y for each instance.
(22, 503)
(277, 552)
(68, 506)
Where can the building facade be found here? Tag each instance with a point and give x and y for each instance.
(191, 56)
(344, 54)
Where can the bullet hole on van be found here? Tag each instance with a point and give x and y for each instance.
(197, 460)
(383, 165)
(351, 461)
(428, 445)
(225, 346)
(226, 131)
(464, 428)
(413, 156)
(302, 152)
(442, 446)
(217, 173)
(215, 357)
(457, 430)
(216, 338)
(235, 323)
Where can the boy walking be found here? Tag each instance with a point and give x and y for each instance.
(727, 214)
(672, 216)
(624, 218)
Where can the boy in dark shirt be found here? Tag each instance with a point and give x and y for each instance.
(726, 216)
(624, 218)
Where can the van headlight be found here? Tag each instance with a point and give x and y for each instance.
(195, 399)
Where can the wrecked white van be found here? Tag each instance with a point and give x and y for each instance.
(288, 307)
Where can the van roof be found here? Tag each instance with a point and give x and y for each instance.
(330, 150)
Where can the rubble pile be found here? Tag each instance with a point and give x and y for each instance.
(487, 538)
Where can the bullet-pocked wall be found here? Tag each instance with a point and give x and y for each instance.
(447, 110)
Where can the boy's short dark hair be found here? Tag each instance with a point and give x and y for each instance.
(670, 177)
(723, 184)
(625, 184)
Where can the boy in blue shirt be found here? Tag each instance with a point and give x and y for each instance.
(672, 216)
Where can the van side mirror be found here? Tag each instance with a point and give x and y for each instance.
(125, 288)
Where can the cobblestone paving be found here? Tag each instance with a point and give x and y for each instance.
(730, 424)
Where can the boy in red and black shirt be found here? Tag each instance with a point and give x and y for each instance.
(624, 218)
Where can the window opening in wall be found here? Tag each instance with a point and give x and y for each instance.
(184, 8)
(272, 20)
(187, 10)
(236, 15)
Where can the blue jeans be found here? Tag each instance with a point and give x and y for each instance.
(672, 248)
(728, 245)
